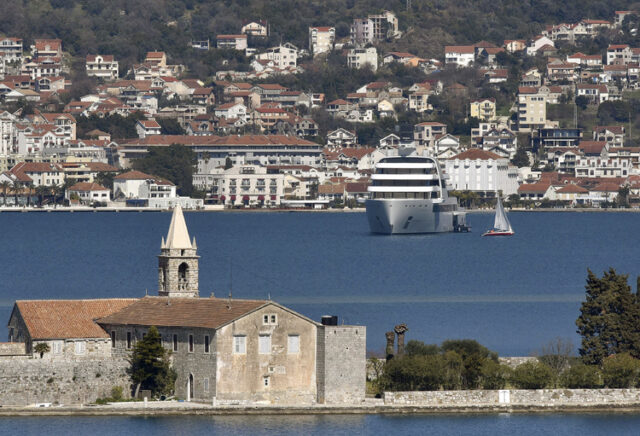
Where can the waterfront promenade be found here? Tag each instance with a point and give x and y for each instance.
(467, 402)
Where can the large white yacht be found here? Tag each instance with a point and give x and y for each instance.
(409, 195)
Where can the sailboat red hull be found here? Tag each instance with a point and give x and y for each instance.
(491, 233)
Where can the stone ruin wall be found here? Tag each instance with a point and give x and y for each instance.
(515, 397)
(26, 380)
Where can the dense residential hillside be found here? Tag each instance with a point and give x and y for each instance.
(130, 28)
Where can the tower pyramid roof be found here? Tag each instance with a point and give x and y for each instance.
(178, 236)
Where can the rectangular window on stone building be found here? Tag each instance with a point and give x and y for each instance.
(293, 344)
(80, 347)
(113, 339)
(264, 344)
(206, 343)
(128, 339)
(266, 381)
(205, 383)
(175, 342)
(239, 344)
(57, 347)
(190, 343)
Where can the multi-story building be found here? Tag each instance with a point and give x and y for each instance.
(102, 66)
(483, 172)
(374, 28)
(359, 57)
(459, 55)
(285, 55)
(483, 109)
(532, 109)
(619, 54)
(233, 42)
(321, 39)
(240, 149)
(244, 185)
(425, 134)
(255, 28)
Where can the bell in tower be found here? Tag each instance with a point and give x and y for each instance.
(178, 261)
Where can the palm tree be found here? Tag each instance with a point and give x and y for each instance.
(16, 186)
(41, 192)
(5, 187)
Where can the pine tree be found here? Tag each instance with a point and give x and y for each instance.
(609, 318)
(150, 367)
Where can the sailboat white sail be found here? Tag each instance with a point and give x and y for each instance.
(501, 222)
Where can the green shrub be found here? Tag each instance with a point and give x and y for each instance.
(581, 376)
(532, 375)
(117, 393)
(495, 375)
(620, 371)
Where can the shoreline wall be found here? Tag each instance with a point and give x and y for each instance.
(516, 397)
(25, 381)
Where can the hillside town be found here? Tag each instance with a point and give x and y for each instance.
(536, 121)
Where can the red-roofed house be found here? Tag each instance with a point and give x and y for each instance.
(573, 194)
(459, 55)
(612, 135)
(88, 193)
(102, 66)
(595, 93)
(618, 54)
(536, 191)
(138, 185)
(145, 128)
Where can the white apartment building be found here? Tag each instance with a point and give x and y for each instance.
(482, 171)
(374, 28)
(619, 54)
(359, 57)
(102, 66)
(425, 134)
(8, 133)
(598, 166)
(321, 39)
(459, 55)
(285, 55)
(245, 185)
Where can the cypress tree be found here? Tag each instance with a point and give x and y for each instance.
(150, 368)
(609, 318)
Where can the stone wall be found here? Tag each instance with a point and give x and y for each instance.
(519, 397)
(25, 381)
(341, 363)
(12, 349)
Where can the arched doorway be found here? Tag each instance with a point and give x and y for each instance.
(190, 392)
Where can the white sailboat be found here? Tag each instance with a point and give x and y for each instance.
(501, 224)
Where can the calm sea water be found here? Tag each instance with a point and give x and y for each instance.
(512, 294)
(502, 424)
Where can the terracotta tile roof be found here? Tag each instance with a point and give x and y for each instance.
(592, 147)
(166, 140)
(459, 49)
(606, 187)
(572, 188)
(231, 37)
(331, 189)
(105, 58)
(88, 187)
(66, 319)
(183, 312)
(618, 130)
(527, 90)
(133, 175)
(476, 154)
(322, 28)
(534, 187)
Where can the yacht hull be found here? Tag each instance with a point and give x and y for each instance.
(397, 216)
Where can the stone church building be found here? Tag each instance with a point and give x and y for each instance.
(233, 351)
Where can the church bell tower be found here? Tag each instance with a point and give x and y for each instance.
(178, 261)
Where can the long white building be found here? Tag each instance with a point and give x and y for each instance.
(483, 172)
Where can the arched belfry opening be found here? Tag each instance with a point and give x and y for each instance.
(178, 260)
